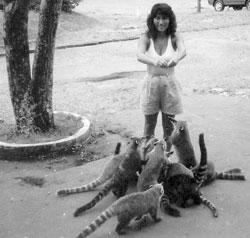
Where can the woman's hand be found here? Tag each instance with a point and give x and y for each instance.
(172, 62)
(162, 62)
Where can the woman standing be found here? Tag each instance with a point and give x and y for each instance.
(160, 48)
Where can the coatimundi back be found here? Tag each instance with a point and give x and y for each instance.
(108, 171)
(126, 172)
(134, 205)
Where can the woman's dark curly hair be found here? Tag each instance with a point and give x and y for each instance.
(164, 10)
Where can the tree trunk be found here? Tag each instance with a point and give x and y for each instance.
(42, 73)
(17, 59)
(31, 96)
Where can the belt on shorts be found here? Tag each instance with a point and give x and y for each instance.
(160, 75)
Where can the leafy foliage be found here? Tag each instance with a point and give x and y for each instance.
(67, 5)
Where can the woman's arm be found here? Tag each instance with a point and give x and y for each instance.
(181, 47)
(143, 45)
(181, 51)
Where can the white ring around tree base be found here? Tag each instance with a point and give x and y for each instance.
(14, 151)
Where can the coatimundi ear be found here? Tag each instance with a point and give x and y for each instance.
(157, 142)
(182, 128)
(169, 153)
(172, 120)
(152, 185)
(161, 141)
(136, 139)
(167, 157)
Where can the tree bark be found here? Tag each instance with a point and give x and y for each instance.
(42, 73)
(31, 96)
(17, 59)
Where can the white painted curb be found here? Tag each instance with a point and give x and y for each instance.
(14, 151)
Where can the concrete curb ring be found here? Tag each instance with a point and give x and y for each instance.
(19, 152)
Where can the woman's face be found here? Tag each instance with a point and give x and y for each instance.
(161, 22)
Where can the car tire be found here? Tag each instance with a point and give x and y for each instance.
(219, 5)
(248, 5)
(237, 8)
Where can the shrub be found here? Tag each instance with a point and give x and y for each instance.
(67, 5)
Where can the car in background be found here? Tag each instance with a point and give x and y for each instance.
(219, 5)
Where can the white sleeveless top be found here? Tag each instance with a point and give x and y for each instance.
(169, 53)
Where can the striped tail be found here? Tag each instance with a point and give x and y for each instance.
(108, 213)
(168, 208)
(88, 187)
(230, 176)
(117, 148)
(233, 171)
(94, 201)
(200, 171)
(210, 205)
(85, 188)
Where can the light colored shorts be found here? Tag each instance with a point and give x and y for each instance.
(161, 93)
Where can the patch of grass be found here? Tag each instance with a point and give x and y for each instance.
(65, 126)
(68, 26)
(78, 28)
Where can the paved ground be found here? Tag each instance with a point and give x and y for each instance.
(36, 212)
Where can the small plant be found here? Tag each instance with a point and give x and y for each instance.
(31, 180)
(69, 5)
(26, 126)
